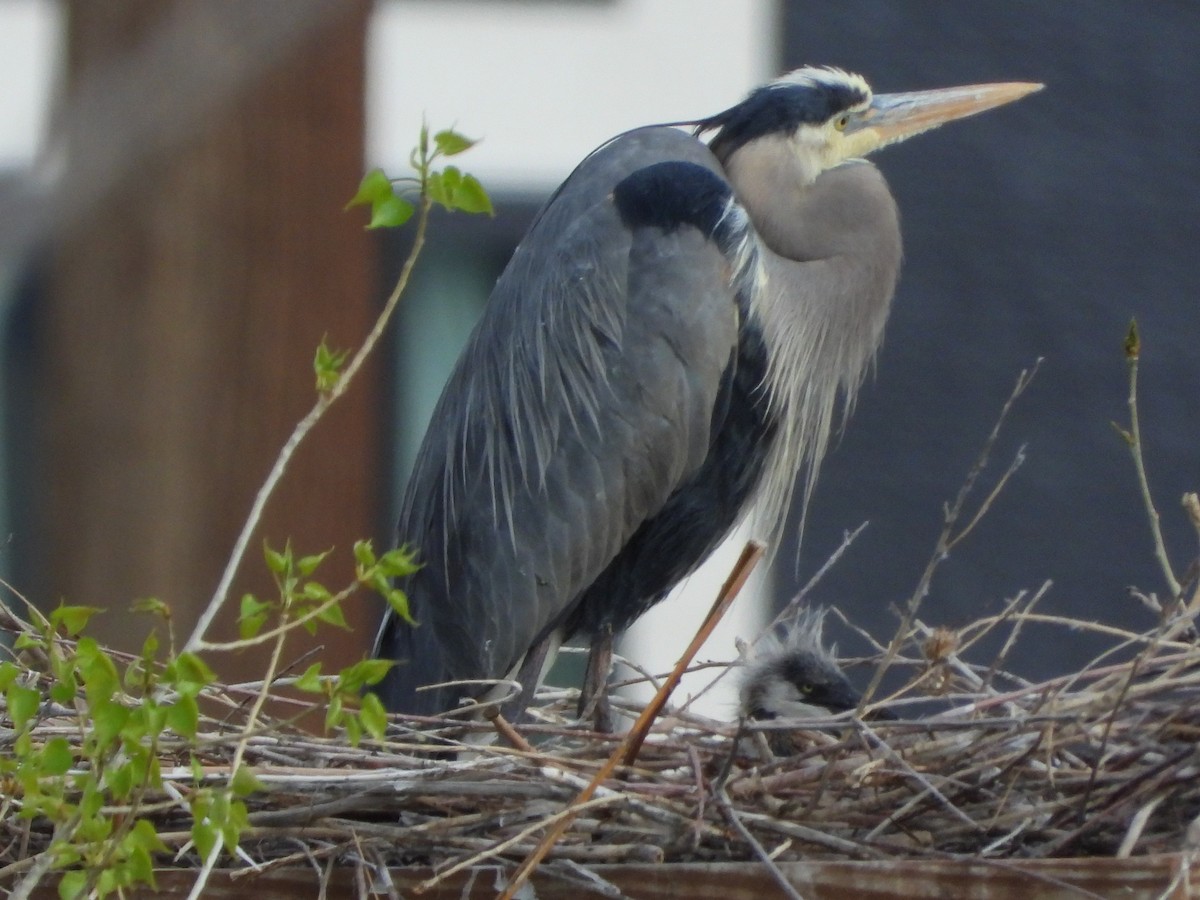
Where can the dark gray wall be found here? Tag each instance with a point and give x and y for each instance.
(1036, 230)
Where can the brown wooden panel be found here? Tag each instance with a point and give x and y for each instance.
(1142, 878)
(178, 333)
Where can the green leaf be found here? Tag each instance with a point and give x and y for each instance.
(398, 601)
(151, 605)
(306, 565)
(333, 712)
(327, 364)
(252, 606)
(137, 846)
(363, 673)
(239, 821)
(391, 213)
(137, 867)
(250, 626)
(150, 648)
(398, 563)
(443, 186)
(27, 641)
(109, 880)
(143, 835)
(472, 198)
(279, 563)
(57, 758)
(96, 668)
(333, 615)
(151, 719)
(364, 554)
(252, 615)
(189, 674)
(451, 180)
(353, 729)
(310, 680)
(63, 666)
(436, 187)
(455, 190)
(72, 884)
(204, 836)
(120, 780)
(374, 187)
(8, 674)
(244, 782)
(315, 591)
(379, 583)
(373, 716)
(72, 619)
(108, 720)
(451, 143)
(183, 716)
(64, 692)
(23, 703)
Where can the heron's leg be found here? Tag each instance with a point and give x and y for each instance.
(593, 696)
(530, 674)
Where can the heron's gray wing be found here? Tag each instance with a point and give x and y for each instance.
(583, 399)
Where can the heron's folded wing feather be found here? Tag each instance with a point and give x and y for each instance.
(583, 399)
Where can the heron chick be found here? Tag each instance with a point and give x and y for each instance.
(796, 676)
(671, 344)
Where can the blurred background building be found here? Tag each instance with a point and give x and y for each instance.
(172, 248)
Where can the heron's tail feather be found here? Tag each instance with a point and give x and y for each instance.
(419, 662)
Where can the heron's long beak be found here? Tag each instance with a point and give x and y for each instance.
(894, 117)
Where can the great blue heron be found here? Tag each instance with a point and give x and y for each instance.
(670, 344)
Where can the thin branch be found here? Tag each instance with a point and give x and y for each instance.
(1191, 505)
(1133, 438)
(1017, 461)
(732, 817)
(949, 537)
(324, 401)
(752, 553)
(266, 636)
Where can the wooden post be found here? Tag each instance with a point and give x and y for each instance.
(177, 336)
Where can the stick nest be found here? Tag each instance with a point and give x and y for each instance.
(979, 762)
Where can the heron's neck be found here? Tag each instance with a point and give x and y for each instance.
(771, 181)
(830, 251)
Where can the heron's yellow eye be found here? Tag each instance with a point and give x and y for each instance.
(806, 688)
(841, 122)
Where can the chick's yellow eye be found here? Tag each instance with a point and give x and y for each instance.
(841, 122)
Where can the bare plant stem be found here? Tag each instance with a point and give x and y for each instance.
(1134, 440)
(239, 752)
(324, 401)
(949, 536)
(262, 638)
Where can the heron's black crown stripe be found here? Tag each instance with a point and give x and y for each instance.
(778, 109)
(667, 195)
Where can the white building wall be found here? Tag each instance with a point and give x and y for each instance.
(545, 82)
(30, 38)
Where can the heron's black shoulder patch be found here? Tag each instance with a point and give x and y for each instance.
(669, 194)
(779, 109)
